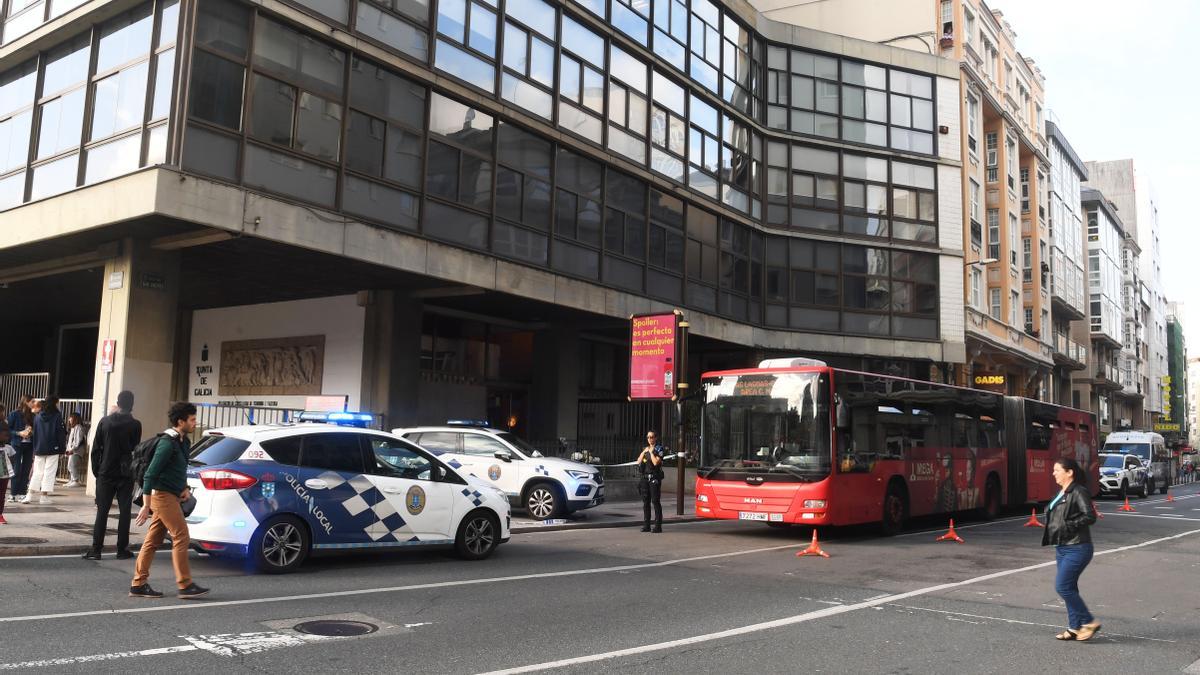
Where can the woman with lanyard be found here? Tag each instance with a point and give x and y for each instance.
(650, 481)
(1068, 528)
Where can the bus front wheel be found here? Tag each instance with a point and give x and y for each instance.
(895, 509)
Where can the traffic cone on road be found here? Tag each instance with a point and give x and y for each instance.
(1126, 507)
(1033, 521)
(1099, 516)
(951, 535)
(1170, 497)
(813, 549)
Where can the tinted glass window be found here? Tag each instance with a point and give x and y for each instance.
(438, 441)
(397, 458)
(217, 450)
(484, 446)
(284, 450)
(337, 452)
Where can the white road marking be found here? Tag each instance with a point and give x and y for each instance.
(1164, 507)
(1025, 623)
(1193, 669)
(224, 644)
(1152, 515)
(193, 605)
(69, 660)
(806, 617)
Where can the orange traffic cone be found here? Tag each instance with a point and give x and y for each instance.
(1126, 507)
(813, 549)
(951, 535)
(1033, 521)
(1170, 497)
(1099, 516)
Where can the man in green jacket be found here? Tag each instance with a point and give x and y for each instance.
(165, 488)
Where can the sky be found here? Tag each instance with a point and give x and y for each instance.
(1121, 83)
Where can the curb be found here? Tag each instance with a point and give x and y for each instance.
(598, 526)
(20, 550)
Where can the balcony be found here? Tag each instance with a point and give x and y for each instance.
(1063, 307)
(1102, 380)
(1069, 353)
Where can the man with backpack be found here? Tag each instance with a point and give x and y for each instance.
(112, 455)
(164, 489)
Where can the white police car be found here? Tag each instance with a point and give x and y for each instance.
(279, 493)
(546, 486)
(1121, 474)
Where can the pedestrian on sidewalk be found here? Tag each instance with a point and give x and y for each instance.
(20, 425)
(76, 449)
(165, 487)
(117, 434)
(49, 444)
(1069, 518)
(7, 453)
(650, 481)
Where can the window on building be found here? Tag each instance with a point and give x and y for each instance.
(528, 77)
(865, 196)
(972, 116)
(704, 148)
(968, 25)
(522, 195)
(578, 214)
(581, 81)
(1029, 327)
(994, 301)
(1014, 305)
(914, 206)
(912, 115)
(1026, 259)
(947, 18)
(668, 128)
(1014, 235)
(628, 107)
(993, 157)
(977, 287)
(1013, 161)
(976, 224)
(458, 171)
(993, 225)
(466, 46)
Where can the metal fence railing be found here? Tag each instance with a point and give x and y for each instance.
(83, 406)
(215, 416)
(15, 385)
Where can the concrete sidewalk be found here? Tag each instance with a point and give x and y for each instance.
(65, 527)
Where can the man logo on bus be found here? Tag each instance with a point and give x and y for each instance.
(494, 472)
(414, 501)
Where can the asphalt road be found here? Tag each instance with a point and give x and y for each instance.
(701, 597)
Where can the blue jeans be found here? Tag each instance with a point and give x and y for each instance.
(23, 464)
(1072, 560)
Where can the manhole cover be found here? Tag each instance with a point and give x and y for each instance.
(21, 540)
(336, 628)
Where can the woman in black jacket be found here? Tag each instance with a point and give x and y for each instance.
(1068, 521)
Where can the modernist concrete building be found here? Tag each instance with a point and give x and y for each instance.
(1106, 238)
(1133, 196)
(1006, 160)
(451, 208)
(1068, 255)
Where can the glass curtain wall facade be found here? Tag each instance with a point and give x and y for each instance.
(682, 173)
(92, 107)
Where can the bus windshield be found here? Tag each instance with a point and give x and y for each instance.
(771, 425)
(1140, 449)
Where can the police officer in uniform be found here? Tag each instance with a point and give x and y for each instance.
(650, 480)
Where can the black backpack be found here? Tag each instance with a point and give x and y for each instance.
(142, 454)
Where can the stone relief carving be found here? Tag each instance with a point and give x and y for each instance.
(275, 366)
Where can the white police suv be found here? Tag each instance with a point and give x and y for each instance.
(277, 494)
(1121, 474)
(546, 486)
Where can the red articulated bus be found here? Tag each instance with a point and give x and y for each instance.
(795, 441)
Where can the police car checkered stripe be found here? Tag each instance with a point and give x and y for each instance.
(382, 523)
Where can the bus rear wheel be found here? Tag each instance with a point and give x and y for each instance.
(895, 510)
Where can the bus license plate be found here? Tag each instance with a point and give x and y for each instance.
(749, 515)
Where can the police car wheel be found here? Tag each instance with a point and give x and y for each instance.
(478, 535)
(280, 545)
(543, 502)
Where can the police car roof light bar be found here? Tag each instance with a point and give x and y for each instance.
(466, 423)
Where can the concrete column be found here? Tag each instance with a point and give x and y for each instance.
(392, 356)
(138, 309)
(554, 396)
